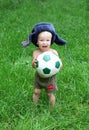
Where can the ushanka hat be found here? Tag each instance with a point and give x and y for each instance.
(40, 27)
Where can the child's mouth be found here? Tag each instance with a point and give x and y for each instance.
(44, 46)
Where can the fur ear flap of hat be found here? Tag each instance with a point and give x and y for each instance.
(40, 27)
(58, 40)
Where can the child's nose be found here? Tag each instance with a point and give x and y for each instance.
(44, 42)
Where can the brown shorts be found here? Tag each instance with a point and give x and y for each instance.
(49, 84)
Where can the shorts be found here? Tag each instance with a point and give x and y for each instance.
(49, 84)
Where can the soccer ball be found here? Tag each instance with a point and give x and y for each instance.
(48, 64)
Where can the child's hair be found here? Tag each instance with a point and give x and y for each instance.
(40, 27)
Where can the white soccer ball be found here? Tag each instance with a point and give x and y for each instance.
(48, 64)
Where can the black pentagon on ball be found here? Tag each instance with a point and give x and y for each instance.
(46, 71)
(37, 64)
(46, 58)
(57, 64)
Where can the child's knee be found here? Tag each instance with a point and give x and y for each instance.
(51, 96)
(51, 99)
(37, 91)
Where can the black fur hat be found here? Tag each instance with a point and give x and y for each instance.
(40, 27)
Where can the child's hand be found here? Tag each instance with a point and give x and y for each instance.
(61, 64)
(34, 63)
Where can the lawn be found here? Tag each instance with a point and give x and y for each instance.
(71, 21)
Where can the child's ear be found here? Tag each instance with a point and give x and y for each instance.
(37, 43)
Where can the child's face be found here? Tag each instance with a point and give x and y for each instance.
(44, 40)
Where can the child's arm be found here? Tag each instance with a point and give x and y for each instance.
(34, 63)
(61, 65)
(34, 60)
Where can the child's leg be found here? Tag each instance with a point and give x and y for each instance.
(36, 95)
(51, 99)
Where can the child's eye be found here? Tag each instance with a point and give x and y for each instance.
(41, 40)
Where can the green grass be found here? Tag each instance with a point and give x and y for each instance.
(71, 20)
